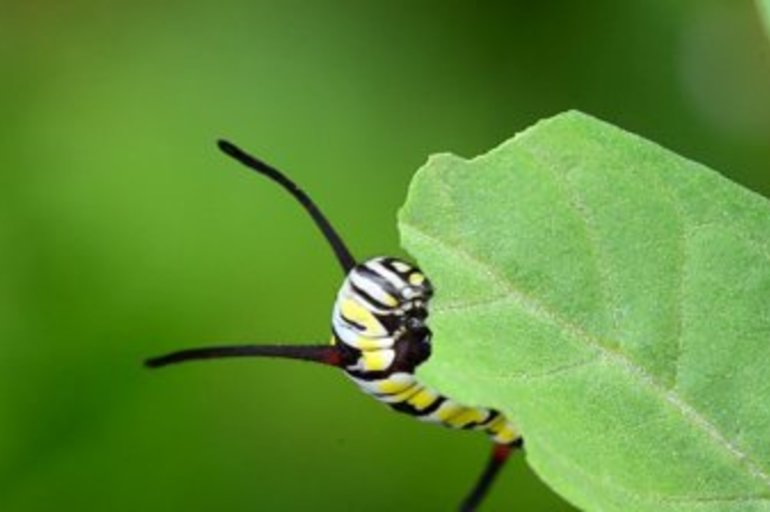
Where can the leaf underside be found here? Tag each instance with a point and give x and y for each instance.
(613, 299)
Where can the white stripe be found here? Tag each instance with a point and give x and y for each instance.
(372, 386)
(371, 288)
(348, 291)
(394, 279)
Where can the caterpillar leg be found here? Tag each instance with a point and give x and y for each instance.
(500, 454)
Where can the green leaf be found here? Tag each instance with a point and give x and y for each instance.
(764, 8)
(613, 298)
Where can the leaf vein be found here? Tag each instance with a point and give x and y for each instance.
(665, 189)
(544, 313)
(583, 214)
(656, 498)
(558, 370)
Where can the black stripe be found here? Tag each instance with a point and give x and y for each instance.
(493, 413)
(388, 263)
(402, 405)
(352, 323)
(367, 298)
(405, 408)
(370, 375)
(391, 323)
(381, 281)
(433, 407)
(413, 269)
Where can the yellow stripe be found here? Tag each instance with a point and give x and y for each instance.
(423, 399)
(375, 360)
(407, 393)
(391, 385)
(357, 313)
(469, 415)
(447, 410)
(388, 299)
(502, 431)
(416, 279)
(363, 343)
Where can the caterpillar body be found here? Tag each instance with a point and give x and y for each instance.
(379, 322)
(379, 337)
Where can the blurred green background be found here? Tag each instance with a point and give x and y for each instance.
(124, 233)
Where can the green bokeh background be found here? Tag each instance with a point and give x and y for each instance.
(123, 232)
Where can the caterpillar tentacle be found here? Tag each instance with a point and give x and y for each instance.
(379, 338)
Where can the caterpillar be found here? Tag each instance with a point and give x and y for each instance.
(379, 338)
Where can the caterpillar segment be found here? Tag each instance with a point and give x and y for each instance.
(387, 343)
(379, 338)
